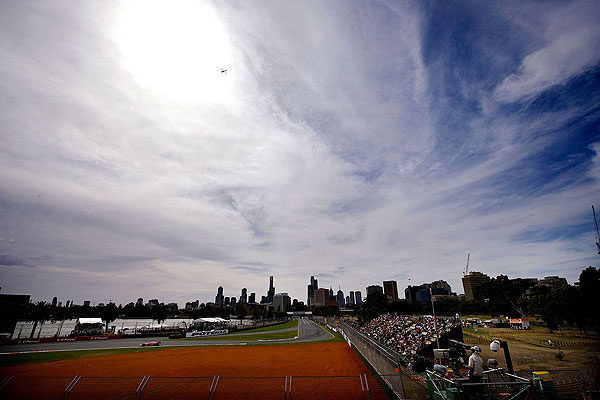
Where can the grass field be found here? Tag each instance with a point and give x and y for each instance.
(284, 325)
(9, 360)
(250, 337)
(529, 349)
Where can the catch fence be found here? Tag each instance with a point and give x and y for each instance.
(388, 365)
(361, 387)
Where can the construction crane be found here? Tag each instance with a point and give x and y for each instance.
(597, 233)
(467, 267)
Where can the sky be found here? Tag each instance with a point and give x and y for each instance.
(354, 141)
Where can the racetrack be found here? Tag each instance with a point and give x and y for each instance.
(308, 330)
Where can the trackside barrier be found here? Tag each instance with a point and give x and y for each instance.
(5, 381)
(169, 388)
(71, 386)
(141, 387)
(386, 362)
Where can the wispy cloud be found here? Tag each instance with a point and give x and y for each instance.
(356, 142)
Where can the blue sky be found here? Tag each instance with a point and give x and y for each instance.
(354, 141)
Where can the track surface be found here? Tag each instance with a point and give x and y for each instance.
(308, 330)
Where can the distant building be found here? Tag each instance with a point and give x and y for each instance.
(554, 282)
(374, 289)
(189, 306)
(281, 301)
(472, 284)
(227, 301)
(390, 289)
(252, 298)
(244, 296)
(233, 302)
(86, 303)
(358, 296)
(441, 288)
(54, 301)
(418, 293)
(352, 298)
(139, 303)
(340, 298)
(348, 302)
(172, 306)
(151, 303)
(271, 291)
(314, 284)
(219, 298)
(321, 297)
(13, 307)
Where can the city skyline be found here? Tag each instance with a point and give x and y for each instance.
(362, 141)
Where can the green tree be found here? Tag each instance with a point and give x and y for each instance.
(38, 313)
(109, 313)
(159, 313)
(240, 310)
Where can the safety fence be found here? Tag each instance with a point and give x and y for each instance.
(388, 365)
(361, 387)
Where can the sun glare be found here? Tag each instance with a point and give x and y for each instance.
(176, 48)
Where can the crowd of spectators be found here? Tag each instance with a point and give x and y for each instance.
(406, 334)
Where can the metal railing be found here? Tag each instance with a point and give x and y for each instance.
(387, 363)
(361, 387)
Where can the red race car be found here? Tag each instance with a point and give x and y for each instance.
(147, 344)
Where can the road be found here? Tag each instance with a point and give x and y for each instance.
(308, 330)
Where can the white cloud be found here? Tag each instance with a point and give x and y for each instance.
(570, 45)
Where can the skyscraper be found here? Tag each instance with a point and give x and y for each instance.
(252, 298)
(390, 289)
(244, 296)
(352, 300)
(472, 284)
(358, 297)
(281, 301)
(219, 298)
(321, 297)
(271, 291)
(374, 289)
(311, 290)
(340, 298)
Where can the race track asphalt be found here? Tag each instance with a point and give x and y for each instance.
(309, 331)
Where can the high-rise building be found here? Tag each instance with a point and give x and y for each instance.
(358, 297)
(441, 287)
(374, 289)
(227, 301)
(352, 298)
(348, 303)
(244, 296)
(321, 297)
(219, 298)
(233, 301)
(86, 303)
(340, 298)
(311, 290)
(390, 289)
(139, 302)
(472, 285)
(281, 301)
(271, 291)
(418, 293)
(252, 298)
(54, 301)
(331, 295)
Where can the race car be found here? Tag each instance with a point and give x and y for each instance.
(147, 344)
